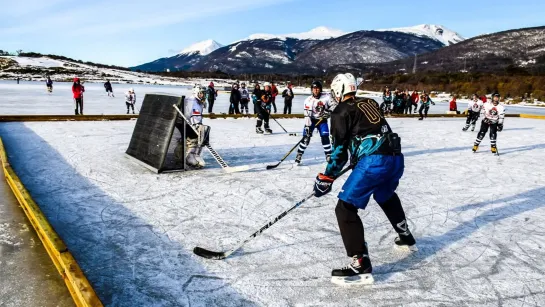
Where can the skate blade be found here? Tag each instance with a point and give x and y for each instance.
(356, 280)
(407, 248)
(236, 169)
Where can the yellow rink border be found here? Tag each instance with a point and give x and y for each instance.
(81, 290)
(532, 116)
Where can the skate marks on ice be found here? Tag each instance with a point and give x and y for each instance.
(128, 261)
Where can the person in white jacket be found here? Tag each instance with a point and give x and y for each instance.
(130, 100)
(493, 114)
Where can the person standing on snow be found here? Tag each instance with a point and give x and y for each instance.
(77, 90)
(474, 108)
(288, 98)
(211, 95)
(234, 100)
(49, 84)
(244, 98)
(415, 98)
(274, 93)
(317, 109)
(359, 129)
(453, 106)
(108, 88)
(262, 102)
(130, 100)
(386, 101)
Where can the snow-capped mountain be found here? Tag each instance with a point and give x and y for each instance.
(437, 32)
(202, 48)
(318, 33)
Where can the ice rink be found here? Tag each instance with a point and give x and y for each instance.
(478, 219)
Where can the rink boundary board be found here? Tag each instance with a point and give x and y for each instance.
(79, 287)
(46, 118)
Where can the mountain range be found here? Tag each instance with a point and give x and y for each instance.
(314, 51)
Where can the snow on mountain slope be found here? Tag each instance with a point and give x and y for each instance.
(316, 33)
(437, 32)
(203, 48)
(40, 62)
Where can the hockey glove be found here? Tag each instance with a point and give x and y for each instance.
(500, 127)
(307, 131)
(322, 185)
(326, 115)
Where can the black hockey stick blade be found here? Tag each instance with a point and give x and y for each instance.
(273, 166)
(199, 251)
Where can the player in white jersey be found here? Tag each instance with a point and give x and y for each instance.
(317, 110)
(493, 115)
(474, 108)
(194, 141)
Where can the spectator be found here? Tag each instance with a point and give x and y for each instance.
(288, 98)
(49, 84)
(234, 100)
(274, 93)
(256, 96)
(130, 100)
(415, 98)
(386, 105)
(244, 98)
(77, 90)
(453, 106)
(108, 88)
(211, 95)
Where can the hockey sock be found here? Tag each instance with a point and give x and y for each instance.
(351, 229)
(326, 144)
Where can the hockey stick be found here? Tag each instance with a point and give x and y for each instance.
(291, 134)
(291, 150)
(199, 251)
(214, 153)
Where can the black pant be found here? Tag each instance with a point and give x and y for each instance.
(262, 116)
(79, 105)
(210, 105)
(233, 108)
(130, 105)
(472, 118)
(351, 227)
(484, 129)
(273, 101)
(424, 108)
(287, 107)
(408, 108)
(244, 105)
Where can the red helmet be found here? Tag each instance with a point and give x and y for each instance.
(76, 79)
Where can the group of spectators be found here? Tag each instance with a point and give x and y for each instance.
(241, 96)
(403, 102)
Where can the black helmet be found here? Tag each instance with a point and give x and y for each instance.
(495, 94)
(317, 84)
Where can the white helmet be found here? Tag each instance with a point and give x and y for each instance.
(199, 89)
(266, 84)
(343, 84)
(131, 90)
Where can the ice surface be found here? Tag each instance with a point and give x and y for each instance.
(478, 219)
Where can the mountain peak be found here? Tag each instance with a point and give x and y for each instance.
(203, 48)
(317, 33)
(437, 32)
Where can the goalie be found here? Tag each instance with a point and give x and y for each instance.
(196, 134)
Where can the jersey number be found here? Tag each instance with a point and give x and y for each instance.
(370, 110)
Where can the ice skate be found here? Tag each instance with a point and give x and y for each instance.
(299, 157)
(358, 272)
(494, 149)
(406, 242)
(268, 131)
(475, 147)
(472, 127)
(191, 159)
(421, 118)
(465, 128)
(258, 130)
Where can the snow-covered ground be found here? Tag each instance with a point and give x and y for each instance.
(32, 98)
(478, 218)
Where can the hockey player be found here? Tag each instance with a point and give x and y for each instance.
(244, 98)
(261, 99)
(414, 100)
(493, 115)
(386, 105)
(108, 88)
(195, 142)
(425, 101)
(49, 84)
(77, 90)
(359, 128)
(474, 108)
(317, 108)
(130, 100)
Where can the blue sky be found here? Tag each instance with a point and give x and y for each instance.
(127, 33)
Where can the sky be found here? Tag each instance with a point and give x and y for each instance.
(129, 33)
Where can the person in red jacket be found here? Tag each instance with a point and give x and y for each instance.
(77, 90)
(414, 99)
(453, 106)
(274, 92)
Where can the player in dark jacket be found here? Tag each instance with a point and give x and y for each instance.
(234, 100)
